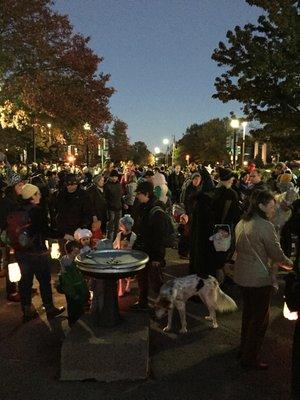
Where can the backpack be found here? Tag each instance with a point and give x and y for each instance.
(170, 235)
(18, 230)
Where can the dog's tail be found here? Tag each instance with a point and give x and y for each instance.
(224, 303)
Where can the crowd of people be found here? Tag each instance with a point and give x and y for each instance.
(219, 217)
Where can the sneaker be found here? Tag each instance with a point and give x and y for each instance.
(139, 307)
(53, 312)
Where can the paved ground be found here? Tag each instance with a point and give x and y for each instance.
(199, 365)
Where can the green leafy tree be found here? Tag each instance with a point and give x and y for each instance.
(119, 146)
(139, 153)
(262, 65)
(206, 141)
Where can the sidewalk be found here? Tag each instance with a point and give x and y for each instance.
(199, 365)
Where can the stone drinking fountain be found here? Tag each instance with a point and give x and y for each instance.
(109, 266)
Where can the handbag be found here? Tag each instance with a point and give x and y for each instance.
(222, 237)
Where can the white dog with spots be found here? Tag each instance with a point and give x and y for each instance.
(176, 292)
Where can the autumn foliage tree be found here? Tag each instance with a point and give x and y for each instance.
(47, 70)
(262, 65)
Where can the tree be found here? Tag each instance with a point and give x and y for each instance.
(262, 64)
(48, 71)
(206, 141)
(119, 146)
(139, 153)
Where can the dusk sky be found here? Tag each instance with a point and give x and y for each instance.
(158, 53)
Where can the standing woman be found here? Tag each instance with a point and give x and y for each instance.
(256, 246)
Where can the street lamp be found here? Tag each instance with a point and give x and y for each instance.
(166, 143)
(156, 150)
(87, 128)
(235, 124)
(244, 124)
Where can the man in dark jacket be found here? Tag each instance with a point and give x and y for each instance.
(71, 209)
(34, 260)
(98, 203)
(175, 182)
(113, 196)
(150, 239)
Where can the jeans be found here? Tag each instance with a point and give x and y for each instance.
(38, 266)
(113, 223)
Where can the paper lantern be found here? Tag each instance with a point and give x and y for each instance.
(55, 251)
(14, 273)
(291, 315)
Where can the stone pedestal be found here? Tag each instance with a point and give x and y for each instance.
(107, 354)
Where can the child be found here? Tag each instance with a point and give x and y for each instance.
(83, 237)
(125, 240)
(72, 283)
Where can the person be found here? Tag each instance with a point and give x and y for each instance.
(225, 211)
(113, 196)
(72, 284)
(161, 189)
(83, 238)
(34, 260)
(98, 204)
(130, 189)
(150, 239)
(125, 240)
(72, 209)
(175, 182)
(189, 193)
(277, 171)
(9, 203)
(256, 246)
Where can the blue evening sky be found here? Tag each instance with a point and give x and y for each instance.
(158, 53)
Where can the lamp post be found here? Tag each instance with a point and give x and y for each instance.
(87, 128)
(244, 124)
(156, 151)
(166, 143)
(235, 124)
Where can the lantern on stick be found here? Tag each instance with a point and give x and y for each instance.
(14, 273)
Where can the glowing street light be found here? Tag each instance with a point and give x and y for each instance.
(166, 142)
(235, 124)
(87, 128)
(156, 150)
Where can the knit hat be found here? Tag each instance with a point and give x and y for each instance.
(114, 172)
(13, 178)
(71, 178)
(225, 174)
(82, 233)
(28, 190)
(127, 221)
(195, 174)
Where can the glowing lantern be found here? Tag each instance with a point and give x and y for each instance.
(291, 315)
(14, 273)
(55, 251)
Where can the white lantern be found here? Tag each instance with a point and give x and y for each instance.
(291, 315)
(55, 251)
(14, 273)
